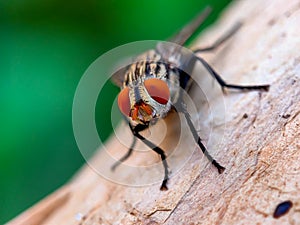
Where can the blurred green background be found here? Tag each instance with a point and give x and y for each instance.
(45, 47)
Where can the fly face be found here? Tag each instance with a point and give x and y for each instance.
(145, 99)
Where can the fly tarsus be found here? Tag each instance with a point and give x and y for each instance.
(218, 166)
(202, 147)
(264, 87)
(163, 186)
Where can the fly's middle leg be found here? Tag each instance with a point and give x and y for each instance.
(130, 150)
(181, 107)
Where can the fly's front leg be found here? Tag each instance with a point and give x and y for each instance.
(126, 156)
(135, 130)
(221, 40)
(130, 150)
(181, 107)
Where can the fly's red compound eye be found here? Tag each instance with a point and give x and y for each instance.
(158, 90)
(124, 101)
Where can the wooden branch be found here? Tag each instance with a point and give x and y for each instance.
(255, 135)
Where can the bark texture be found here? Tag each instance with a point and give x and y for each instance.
(255, 135)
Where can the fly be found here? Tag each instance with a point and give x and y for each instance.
(152, 86)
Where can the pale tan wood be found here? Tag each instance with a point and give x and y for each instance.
(255, 135)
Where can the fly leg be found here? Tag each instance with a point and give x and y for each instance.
(126, 156)
(130, 150)
(221, 40)
(219, 79)
(135, 130)
(233, 86)
(181, 107)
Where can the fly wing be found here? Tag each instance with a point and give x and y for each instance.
(118, 74)
(118, 77)
(180, 57)
(182, 36)
(168, 50)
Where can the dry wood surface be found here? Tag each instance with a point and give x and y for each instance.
(255, 135)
